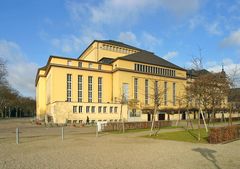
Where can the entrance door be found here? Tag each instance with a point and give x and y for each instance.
(183, 116)
(161, 117)
(149, 117)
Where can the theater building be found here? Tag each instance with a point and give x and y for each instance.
(101, 83)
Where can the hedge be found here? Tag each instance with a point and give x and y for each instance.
(224, 134)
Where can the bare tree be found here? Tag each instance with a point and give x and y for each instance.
(157, 97)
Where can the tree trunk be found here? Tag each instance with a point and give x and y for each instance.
(199, 134)
(178, 117)
(230, 116)
(153, 120)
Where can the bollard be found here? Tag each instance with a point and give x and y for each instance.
(62, 133)
(17, 135)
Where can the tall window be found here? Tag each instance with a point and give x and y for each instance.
(87, 109)
(99, 109)
(100, 90)
(69, 87)
(146, 91)
(74, 109)
(80, 89)
(125, 91)
(90, 88)
(93, 109)
(174, 94)
(80, 108)
(165, 93)
(135, 88)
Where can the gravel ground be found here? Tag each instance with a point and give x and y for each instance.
(42, 147)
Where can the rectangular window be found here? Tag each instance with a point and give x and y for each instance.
(87, 109)
(111, 109)
(80, 109)
(104, 109)
(100, 90)
(90, 65)
(99, 109)
(174, 94)
(80, 88)
(146, 91)
(99, 67)
(135, 88)
(115, 109)
(93, 109)
(90, 88)
(69, 62)
(125, 91)
(69, 87)
(165, 93)
(79, 64)
(144, 68)
(74, 109)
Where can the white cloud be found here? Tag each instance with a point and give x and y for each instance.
(213, 28)
(181, 7)
(127, 12)
(170, 55)
(21, 72)
(149, 41)
(72, 43)
(128, 37)
(145, 40)
(233, 40)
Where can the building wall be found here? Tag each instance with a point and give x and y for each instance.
(51, 87)
(41, 97)
(98, 50)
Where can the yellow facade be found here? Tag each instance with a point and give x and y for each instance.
(117, 78)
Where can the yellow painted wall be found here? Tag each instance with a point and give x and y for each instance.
(60, 85)
(98, 50)
(41, 98)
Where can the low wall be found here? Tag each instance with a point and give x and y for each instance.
(220, 120)
(115, 126)
(224, 134)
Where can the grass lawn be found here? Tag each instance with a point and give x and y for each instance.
(186, 136)
(141, 130)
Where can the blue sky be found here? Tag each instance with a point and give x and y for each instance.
(31, 30)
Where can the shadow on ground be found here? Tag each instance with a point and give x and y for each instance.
(208, 154)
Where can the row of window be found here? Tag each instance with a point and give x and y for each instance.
(80, 65)
(117, 49)
(155, 70)
(91, 121)
(92, 109)
(157, 93)
(80, 88)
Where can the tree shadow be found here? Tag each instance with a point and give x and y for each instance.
(208, 154)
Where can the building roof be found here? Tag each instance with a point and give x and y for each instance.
(106, 60)
(149, 58)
